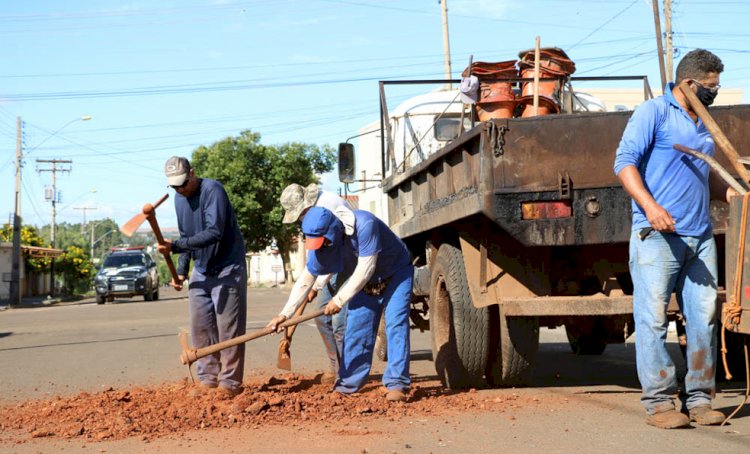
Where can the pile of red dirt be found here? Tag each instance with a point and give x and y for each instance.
(293, 400)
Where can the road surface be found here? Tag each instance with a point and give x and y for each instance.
(576, 404)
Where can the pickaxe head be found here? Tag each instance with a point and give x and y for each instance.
(188, 355)
(129, 228)
(284, 359)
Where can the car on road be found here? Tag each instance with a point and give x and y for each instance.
(127, 272)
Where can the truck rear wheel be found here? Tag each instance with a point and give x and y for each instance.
(460, 331)
(514, 341)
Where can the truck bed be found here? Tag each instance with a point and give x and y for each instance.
(493, 168)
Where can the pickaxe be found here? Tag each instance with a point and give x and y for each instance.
(284, 357)
(149, 213)
(190, 355)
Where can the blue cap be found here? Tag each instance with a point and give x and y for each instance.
(320, 224)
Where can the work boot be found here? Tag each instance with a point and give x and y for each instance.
(705, 416)
(668, 419)
(201, 389)
(395, 395)
(224, 393)
(328, 378)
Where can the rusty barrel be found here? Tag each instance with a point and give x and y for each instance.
(496, 96)
(553, 63)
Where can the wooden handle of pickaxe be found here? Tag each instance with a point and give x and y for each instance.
(149, 211)
(190, 355)
(724, 145)
(300, 310)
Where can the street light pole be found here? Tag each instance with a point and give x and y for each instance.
(93, 243)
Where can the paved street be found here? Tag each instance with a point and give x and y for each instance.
(586, 404)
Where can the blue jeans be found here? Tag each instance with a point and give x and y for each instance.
(218, 312)
(332, 327)
(661, 264)
(362, 327)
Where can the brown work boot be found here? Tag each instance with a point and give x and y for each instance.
(395, 395)
(705, 416)
(201, 389)
(668, 419)
(224, 393)
(328, 378)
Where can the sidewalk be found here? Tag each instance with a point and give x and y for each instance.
(39, 301)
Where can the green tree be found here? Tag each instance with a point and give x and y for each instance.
(76, 269)
(254, 175)
(106, 234)
(30, 236)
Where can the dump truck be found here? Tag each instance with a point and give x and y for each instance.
(514, 224)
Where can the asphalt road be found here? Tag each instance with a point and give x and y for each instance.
(586, 404)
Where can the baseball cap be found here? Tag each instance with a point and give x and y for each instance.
(320, 224)
(295, 199)
(176, 169)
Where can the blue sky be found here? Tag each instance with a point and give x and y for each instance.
(160, 78)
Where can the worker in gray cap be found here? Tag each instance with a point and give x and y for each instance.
(217, 292)
(296, 201)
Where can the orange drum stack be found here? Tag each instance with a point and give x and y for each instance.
(496, 97)
(553, 63)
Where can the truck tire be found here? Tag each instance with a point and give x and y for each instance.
(459, 331)
(514, 341)
(586, 336)
(381, 342)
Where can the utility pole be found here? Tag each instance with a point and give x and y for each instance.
(668, 40)
(446, 43)
(659, 48)
(84, 215)
(15, 271)
(93, 227)
(54, 169)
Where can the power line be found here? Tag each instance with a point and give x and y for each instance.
(603, 25)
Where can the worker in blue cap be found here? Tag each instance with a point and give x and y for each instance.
(379, 286)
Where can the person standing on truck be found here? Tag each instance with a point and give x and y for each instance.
(672, 247)
(296, 201)
(217, 290)
(380, 285)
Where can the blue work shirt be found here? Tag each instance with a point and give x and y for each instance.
(371, 236)
(209, 233)
(678, 182)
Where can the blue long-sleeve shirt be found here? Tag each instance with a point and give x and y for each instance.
(678, 182)
(209, 233)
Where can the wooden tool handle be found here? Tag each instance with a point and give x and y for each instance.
(189, 356)
(300, 310)
(160, 239)
(160, 201)
(724, 145)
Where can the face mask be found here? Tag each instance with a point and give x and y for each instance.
(705, 96)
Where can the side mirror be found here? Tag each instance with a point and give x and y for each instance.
(346, 163)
